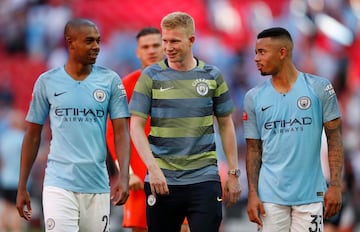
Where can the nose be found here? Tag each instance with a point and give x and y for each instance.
(96, 45)
(167, 46)
(256, 58)
(152, 50)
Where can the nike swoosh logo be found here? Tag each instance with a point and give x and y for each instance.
(219, 199)
(265, 108)
(58, 94)
(165, 89)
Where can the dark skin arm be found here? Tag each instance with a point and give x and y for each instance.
(120, 188)
(29, 153)
(253, 163)
(332, 199)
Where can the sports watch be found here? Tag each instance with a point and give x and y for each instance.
(235, 172)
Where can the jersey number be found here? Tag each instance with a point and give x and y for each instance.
(317, 223)
(105, 219)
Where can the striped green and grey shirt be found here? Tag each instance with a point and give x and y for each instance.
(182, 106)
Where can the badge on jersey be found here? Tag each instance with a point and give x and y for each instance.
(151, 200)
(245, 116)
(121, 88)
(330, 90)
(201, 86)
(304, 103)
(99, 95)
(50, 224)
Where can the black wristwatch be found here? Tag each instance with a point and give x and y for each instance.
(235, 172)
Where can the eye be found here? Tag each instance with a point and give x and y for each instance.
(261, 51)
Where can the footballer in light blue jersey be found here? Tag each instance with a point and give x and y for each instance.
(78, 98)
(78, 111)
(284, 118)
(290, 126)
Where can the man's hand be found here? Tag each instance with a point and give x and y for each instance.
(332, 201)
(135, 182)
(119, 191)
(158, 182)
(23, 204)
(232, 190)
(255, 209)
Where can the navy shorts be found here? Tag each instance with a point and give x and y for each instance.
(200, 203)
(9, 195)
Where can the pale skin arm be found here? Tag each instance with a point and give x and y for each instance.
(29, 151)
(253, 163)
(332, 199)
(135, 182)
(156, 177)
(120, 188)
(232, 187)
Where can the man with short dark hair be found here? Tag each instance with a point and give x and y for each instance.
(77, 97)
(283, 122)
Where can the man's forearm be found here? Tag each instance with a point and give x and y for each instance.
(335, 151)
(253, 163)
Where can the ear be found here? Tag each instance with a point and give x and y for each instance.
(137, 53)
(68, 41)
(283, 52)
(192, 39)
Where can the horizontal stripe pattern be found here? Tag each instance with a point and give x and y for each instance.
(190, 162)
(182, 106)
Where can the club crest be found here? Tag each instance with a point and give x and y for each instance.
(99, 95)
(304, 103)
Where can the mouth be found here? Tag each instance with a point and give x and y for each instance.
(259, 66)
(93, 55)
(171, 55)
(153, 59)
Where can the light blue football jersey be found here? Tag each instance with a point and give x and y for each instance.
(290, 127)
(10, 150)
(78, 112)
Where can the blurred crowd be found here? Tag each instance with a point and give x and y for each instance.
(326, 35)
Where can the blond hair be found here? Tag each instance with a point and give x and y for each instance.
(179, 19)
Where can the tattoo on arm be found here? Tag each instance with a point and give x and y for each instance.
(335, 150)
(253, 163)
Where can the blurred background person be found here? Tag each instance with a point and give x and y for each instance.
(148, 51)
(10, 150)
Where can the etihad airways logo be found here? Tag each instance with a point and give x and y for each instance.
(79, 114)
(291, 125)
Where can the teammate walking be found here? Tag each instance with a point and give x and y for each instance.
(283, 122)
(183, 95)
(77, 97)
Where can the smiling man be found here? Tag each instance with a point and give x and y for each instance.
(77, 98)
(183, 95)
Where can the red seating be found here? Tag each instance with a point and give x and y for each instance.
(128, 14)
(20, 72)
